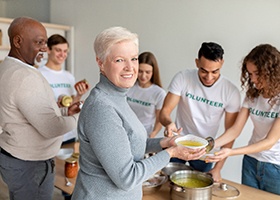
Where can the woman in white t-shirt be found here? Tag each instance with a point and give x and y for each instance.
(261, 79)
(146, 96)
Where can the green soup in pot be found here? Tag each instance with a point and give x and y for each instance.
(191, 183)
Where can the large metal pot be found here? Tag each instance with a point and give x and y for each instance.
(172, 167)
(178, 192)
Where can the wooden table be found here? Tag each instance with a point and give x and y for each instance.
(59, 176)
(246, 193)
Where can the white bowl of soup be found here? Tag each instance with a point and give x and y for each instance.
(191, 141)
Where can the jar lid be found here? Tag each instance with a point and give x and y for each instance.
(76, 155)
(224, 190)
(66, 101)
(71, 160)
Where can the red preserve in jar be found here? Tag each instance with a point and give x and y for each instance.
(84, 81)
(71, 167)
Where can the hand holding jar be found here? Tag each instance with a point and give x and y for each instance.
(64, 101)
(81, 87)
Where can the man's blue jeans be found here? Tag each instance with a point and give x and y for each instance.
(198, 165)
(261, 175)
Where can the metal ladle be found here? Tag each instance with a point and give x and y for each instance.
(211, 144)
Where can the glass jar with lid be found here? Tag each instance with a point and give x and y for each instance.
(71, 167)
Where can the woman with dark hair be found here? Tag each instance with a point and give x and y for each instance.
(260, 78)
(146, 96)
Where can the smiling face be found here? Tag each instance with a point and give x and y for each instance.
(31, 41)
(121, 64)
(144, 75)
(254, 75)
(208, 70)
(58, 53)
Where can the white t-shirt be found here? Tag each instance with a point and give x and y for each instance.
(62, 83)
(201, 108)
(263, 117)
(144, 102)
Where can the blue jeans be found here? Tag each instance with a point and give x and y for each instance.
(30, 180)
(198, 165)
(261, 175)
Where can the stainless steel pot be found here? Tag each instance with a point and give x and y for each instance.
(178, 192)
(172, 167)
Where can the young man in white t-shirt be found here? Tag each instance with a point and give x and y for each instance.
(202, 97)
(61, 81)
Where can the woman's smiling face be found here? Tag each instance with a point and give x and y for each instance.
(254, 76)
(145, 74)
(121, 64)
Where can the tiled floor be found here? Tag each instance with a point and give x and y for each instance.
(4, 194)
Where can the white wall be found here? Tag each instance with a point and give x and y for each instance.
(173, 31)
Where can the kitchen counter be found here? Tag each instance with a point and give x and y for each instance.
(246, 193)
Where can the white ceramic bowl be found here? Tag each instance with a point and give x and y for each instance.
(65, 153)
(191, 141)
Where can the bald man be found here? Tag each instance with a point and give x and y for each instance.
(32, 124)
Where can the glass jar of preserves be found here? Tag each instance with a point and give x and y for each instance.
(71, 167)
(84, 81)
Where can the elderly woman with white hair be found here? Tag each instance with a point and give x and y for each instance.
(112, 139)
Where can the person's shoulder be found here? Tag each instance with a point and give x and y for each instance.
(43, 68)
(159, 92)
(98, 96)
(186, 73)
(18, 69)
(134, 89)
(46, 71)
(158, 89)
(98, 102)
(228, 82)
(135, 86)
(68, 73)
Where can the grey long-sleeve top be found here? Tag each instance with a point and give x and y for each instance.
(112, 146)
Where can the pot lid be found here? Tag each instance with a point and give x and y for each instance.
(224, 190)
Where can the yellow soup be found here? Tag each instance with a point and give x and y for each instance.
(190, 143)
(191, 183)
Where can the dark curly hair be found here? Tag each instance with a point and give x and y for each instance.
(267, 60)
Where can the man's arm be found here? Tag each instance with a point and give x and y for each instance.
(157, 125)
(216, 171)
(170, 102)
